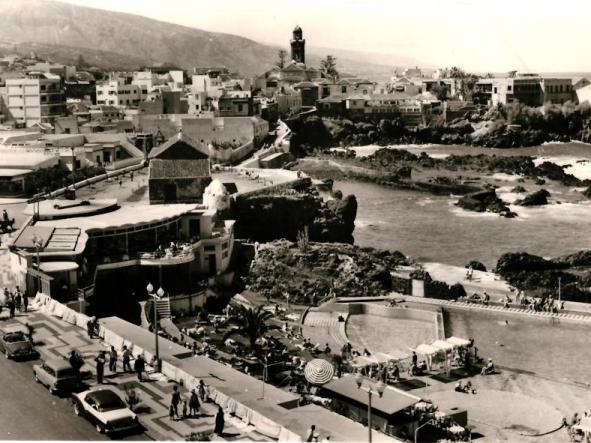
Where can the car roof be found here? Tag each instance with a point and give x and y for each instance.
(103, 396)
(58, 363)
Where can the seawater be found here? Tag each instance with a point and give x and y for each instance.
(432, 228)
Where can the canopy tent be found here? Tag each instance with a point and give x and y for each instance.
(457, 341)
(318, 371)
(426, 349)
(396, 355)
(584, 426)
(442, 345)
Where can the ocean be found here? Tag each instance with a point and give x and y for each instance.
(431, 228)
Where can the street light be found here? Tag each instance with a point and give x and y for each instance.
(38, 242)
(425, 424)
(156, 296)
(380, 387)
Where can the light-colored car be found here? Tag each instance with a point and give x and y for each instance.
(105, 409)
(57, 374)
(16, 345)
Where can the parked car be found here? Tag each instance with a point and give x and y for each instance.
(105, 409)
(17, 345)
(57, 374)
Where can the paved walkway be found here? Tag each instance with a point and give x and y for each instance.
(55, 338)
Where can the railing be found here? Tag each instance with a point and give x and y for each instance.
(166, 258)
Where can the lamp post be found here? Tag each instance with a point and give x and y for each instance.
(425, 424)
(38, 242)
(156, 296)
(266, 367)
(379, 387)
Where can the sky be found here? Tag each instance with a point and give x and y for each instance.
(477, 35)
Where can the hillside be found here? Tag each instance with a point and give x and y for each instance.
(63, 30)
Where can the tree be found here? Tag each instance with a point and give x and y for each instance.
(329, 67)
(281, 57)
(252, 322)
(440, 91)
(80, 62)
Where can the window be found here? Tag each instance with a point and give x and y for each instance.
(343, 89)
(508, 87)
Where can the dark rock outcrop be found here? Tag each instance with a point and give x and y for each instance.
(476, 266)
(270, 217)
(519, 190)
(587, 192)
(485, 201)
(537, 198)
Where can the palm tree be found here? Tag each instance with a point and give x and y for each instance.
(252, 322)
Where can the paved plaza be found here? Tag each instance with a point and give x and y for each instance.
(55, 338)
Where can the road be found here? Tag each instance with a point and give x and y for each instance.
(30, 412)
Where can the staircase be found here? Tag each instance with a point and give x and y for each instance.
(163, 308)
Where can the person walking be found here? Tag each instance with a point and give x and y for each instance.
(113, 360)
(219, 422)
(126, 359)
(11, 306)
(311, 433)
(139, 365)
(174, 402)
(76, 362)
(18, 301)
(25, 299)
(90, 327)
(100, 367)
(193, 404)
(202, 391)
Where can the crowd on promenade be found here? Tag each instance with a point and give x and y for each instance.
(14, 301)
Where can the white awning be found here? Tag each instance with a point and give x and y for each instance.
(442, 345)
(457, 341)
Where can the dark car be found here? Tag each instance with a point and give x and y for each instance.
(58, 375)
(105, 409)
(17, 345)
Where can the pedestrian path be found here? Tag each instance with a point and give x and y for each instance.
(499, 308)
(55, 338)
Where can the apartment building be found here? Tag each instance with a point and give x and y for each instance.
(558, 90)
(117, 92)
(36, 98)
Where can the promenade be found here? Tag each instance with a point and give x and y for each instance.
(55, 338)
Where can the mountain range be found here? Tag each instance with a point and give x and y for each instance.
(115, 40)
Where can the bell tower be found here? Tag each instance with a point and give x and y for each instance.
(298, 46)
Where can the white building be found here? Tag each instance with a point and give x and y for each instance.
(36, 98)
(117, 93)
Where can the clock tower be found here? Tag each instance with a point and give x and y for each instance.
(298, 46)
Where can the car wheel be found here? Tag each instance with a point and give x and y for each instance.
(99, 428)
(77, 410)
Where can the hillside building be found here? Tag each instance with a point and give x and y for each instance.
(180, 171)
(36, 98)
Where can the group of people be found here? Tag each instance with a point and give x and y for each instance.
(15, 301)
(181, 408)
(314, 436)
(139, 365)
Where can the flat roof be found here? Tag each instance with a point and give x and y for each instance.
(391, 402)
(59, 266)
(61, 208)
(7, 172)
(125, 216)
(24, 159)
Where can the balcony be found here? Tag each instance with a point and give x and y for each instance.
(168, 256)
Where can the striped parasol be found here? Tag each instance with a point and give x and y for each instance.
(318, 371)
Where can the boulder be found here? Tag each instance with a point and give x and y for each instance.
(537, 198)
(483, 201)
(476, 266)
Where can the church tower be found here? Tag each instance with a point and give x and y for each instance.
(298, 46)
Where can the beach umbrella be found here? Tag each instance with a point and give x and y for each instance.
(318, 371)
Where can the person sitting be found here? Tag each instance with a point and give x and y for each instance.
(366, 353)
(489, 368)
(485, 299)
(459, 387)
(327, 349)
